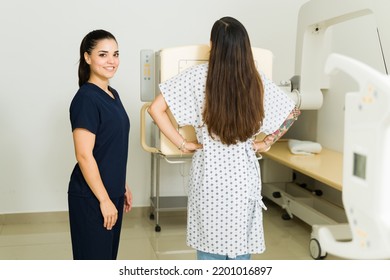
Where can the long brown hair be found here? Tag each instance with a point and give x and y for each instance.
(233, 108)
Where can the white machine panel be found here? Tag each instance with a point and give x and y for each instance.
(170, 62)
(366, 177)
(147, 72)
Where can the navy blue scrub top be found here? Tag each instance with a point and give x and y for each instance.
(94, 110)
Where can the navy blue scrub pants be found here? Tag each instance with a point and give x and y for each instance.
(90, 240)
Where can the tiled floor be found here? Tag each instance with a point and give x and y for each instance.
(32, 239)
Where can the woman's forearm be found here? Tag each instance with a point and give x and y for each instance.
(158, 112)
(266, 143)
(84, 142)
(276, 135)
(91, 175)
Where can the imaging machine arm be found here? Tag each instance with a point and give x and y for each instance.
(312, 47)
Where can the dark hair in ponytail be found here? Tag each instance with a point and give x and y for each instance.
(87, 45)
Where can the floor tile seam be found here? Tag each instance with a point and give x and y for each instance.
(25, 244)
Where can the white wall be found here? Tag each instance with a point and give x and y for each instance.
(39, 57)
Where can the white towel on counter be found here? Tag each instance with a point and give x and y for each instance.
(304, 147)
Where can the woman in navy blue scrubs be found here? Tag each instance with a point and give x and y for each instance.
(98, 193)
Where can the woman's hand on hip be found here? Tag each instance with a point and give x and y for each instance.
(190, 147)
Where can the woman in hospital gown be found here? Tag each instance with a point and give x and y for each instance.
(224, 195)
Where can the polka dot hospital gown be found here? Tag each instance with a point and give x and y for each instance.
(224, 192)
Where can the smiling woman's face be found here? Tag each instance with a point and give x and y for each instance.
(103, 60)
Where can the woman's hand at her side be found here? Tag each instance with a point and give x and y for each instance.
(109, 212)
(128, 199)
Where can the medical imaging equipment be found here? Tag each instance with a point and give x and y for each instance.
(366, 179)
(155, 68)
(312, 49)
